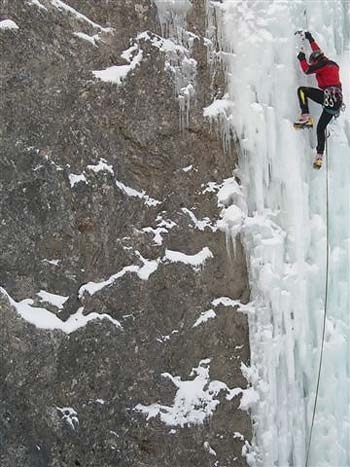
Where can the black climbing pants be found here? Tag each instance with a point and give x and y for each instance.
(316, 95)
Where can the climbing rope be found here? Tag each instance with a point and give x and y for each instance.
(325, 309)
(326, 290)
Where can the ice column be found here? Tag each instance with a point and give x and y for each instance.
(172, 17)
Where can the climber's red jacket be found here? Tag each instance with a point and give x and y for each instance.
(327, 71)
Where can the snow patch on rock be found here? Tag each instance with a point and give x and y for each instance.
(45, 319)
(69, 416)
(74, 179)
(195, 261)
(224, 301)
(163, 227)
(68, 9)
(37, 4)
(204, 317)
(91, 39)
(53, 299)
(195, 399)
(101, 166)
(8, 24)
(117, 73)
(137, 194)
(200, 224)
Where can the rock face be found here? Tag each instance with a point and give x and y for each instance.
(109, 214)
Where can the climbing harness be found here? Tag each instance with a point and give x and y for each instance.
(333, 101)
(325, 309)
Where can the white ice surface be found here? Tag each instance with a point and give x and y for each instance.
(229, 192)
(284, 229)
(218, 107)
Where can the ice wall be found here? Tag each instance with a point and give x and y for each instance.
(183, 68)
(288, 231)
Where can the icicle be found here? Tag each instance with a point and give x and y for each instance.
(172, 17)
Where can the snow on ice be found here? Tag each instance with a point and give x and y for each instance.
(218, 107)
(229, 192)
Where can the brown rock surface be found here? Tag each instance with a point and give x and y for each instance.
(69, 399)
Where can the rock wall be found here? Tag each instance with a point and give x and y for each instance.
(122, 331)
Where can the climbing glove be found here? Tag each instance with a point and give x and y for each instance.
(301, 56)
(308, 36)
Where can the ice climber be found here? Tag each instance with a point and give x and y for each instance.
(329, 93)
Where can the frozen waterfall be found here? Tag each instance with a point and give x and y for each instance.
(286, 230)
